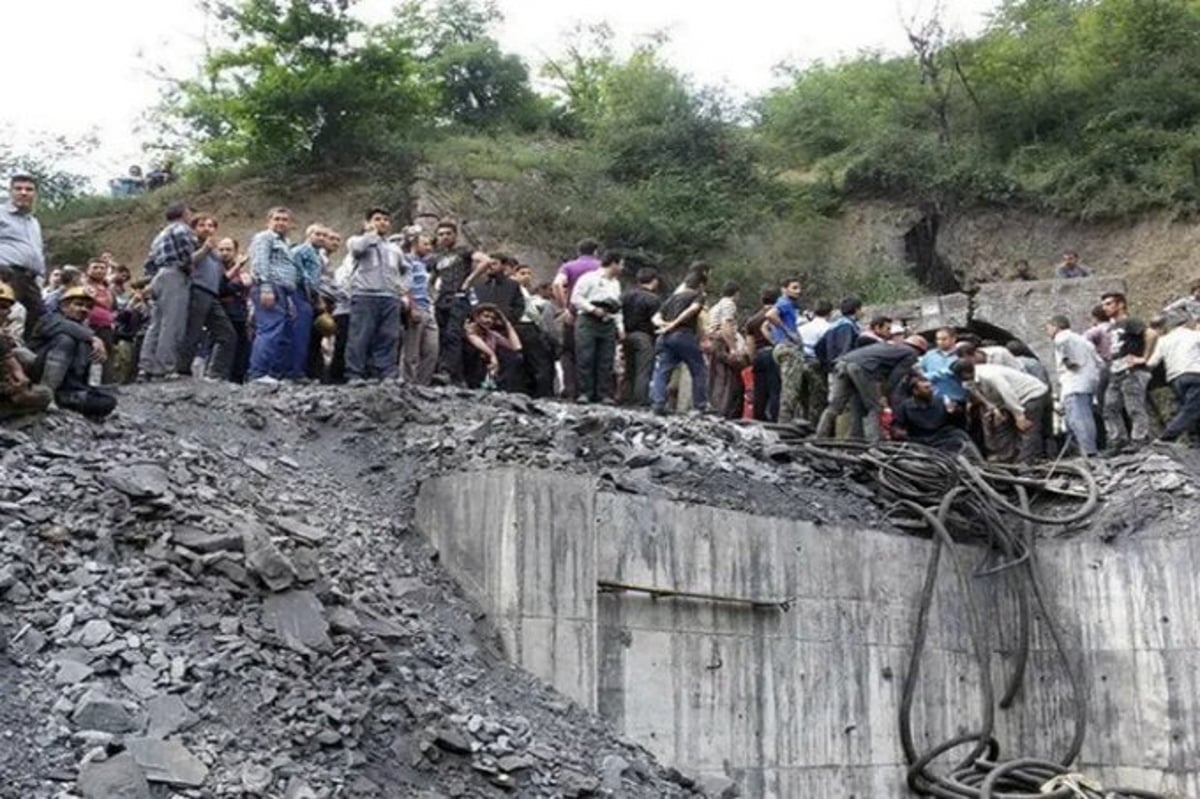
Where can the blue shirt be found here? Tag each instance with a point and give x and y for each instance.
(271, 260)
(937, 367)
(308, 265)
(789, 314)
(418, 282)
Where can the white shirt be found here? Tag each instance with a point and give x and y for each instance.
(596, 287)
(1000, 356)
(810, 333)
(1179, 350)
(1008, 388)
(1078, 363)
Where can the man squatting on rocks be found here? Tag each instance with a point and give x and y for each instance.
(449, 313)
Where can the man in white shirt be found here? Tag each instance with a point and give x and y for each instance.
(1078, 366)
(1014, 405)
(596, 300)
(1179, 352)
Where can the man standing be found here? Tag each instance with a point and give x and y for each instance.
(205, 312)
(1131, 343)
(564, 287)
(1071, 268)
(679, 342)
(453, 266)
(859, 373)
(814, 386)
(1014, 405)
(536, 350)
(102, 317)
(173, 253)
(938, 366)
(1179, 352)
(638, 307)
(234, 292)
(22, 256)
(309, 260)
(784, 321)
(596, 301)
(421, 336)
(1078, 366)
(65, 352)
(275, 277)
(374, 301)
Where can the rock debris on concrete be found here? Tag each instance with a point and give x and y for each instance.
(216, 593)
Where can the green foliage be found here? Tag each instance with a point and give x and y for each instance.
(1087, 108)
(302, 82)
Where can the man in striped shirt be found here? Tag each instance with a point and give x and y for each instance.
(273, 295)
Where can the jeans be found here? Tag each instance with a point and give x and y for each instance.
(421, 349)
(374, 336)
(848, 383)
(1126, 396)
(1187, 390)
(206, 312)
(271, 353)
(680, 346)
(639, 367)
(767, 385)
(302, 324)
(1081, 423)
(171, 290)
(595, 354)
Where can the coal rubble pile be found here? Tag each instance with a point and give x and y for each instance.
(217, 593)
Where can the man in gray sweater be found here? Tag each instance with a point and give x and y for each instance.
(372, 347)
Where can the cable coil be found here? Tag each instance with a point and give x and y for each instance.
(957, 500)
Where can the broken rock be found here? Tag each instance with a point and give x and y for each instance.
(96, 711)
(168, 715)
(265, 559)
(168, 761)
(139, 480)
(298, 618)
(118, 777)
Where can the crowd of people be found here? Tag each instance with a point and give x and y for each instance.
(423, 307)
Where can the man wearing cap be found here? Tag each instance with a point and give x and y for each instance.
(17, 395)
(172, 255)
(66, 349)
(22, 257)
(859, 374)
(374, 285)
(1179, 352)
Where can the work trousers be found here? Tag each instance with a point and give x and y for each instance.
(537, 365)
(1080, 421)
(239, 364)
(1125, 395)
(373, 337)
(271, 353)
(1187, 417)
(171, 291)
(62, 367)
(767, 385)
(205, 312)
(595, 354)
(849, 384)
(639, 367)
(1010, 445)
(676, 347)
(421, 349)
(24, 401)
(452, 313)
(302, 335)
(790, 358)
(24, 284)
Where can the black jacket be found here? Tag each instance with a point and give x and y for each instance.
(504, 293)
(884, 361)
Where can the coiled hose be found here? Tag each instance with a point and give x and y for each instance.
(956, 500)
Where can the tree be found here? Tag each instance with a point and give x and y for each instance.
(300, 82)
(44, 159)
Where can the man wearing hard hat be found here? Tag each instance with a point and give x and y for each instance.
(17, 395)
(66, 348)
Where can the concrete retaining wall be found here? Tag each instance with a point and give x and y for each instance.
(804, 703)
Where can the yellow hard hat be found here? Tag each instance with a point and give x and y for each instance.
(325, 325)
(6, 294)
(76, 293)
